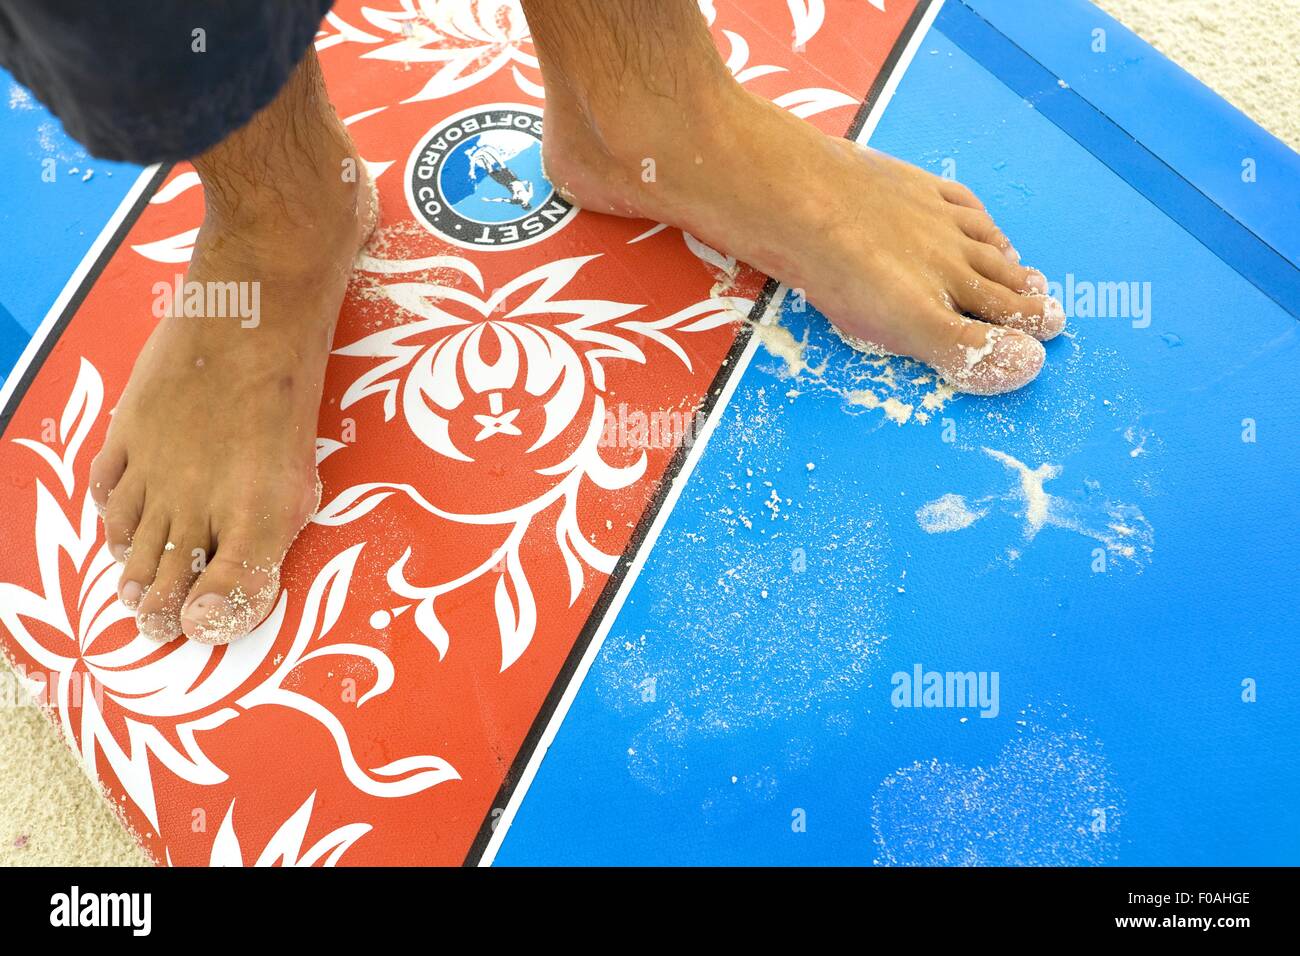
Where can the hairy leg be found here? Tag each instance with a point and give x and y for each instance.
(208, 470)
(896, 258)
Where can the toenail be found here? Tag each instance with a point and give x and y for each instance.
(203, 607)
(1037, 281)
(118, 551)
(1012, 256)
(1019, 356)
(131, 594)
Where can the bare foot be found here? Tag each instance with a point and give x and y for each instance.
(208, 471)
(896, 258)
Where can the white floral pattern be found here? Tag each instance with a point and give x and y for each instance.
(551, 353)
(471, 40)
(466, 41)
(285, 848)
(176, 691)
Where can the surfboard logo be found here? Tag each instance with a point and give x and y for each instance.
(476, 180)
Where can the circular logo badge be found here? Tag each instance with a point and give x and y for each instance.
(476, 180)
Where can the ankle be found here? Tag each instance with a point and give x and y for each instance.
(291, 171)
(325, 207)
(645, 124)
(614, 157)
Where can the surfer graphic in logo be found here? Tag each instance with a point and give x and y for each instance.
(488, 157)
(476, 180)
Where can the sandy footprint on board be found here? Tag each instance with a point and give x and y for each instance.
(1050, 798)
(758, 611)
(1120, 529)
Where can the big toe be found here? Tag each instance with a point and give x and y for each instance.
(972, 356)
(234, 594)
(990, 359)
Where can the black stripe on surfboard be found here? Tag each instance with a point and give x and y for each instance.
(675, 466)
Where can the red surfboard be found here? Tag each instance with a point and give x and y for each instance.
(514, 383)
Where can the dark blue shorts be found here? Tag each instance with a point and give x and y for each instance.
(152, 81)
